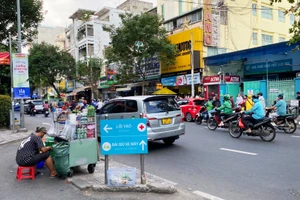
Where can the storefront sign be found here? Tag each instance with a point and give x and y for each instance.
(159, 86)
(212, 22)
(183, 44)
(4, 58)
(70, 86)
(21, 93)
(152, 67)
(211, 79)
(272, 67)
(180, 80)
(232, 79)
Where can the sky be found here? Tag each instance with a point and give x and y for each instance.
(57, 12)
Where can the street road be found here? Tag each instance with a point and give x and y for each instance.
(212, 163)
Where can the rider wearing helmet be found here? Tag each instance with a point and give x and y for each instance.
(258, 113)
(280, 107)
(226, 109)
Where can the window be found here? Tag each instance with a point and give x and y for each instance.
(179, 23)
(266, 39)
(194, 17)
(281, 17)
(281, 39)
(180, 7)
(131, 106)
(163, 12)
(254, 11)
(161, 105)
(254, 39)
(223, 17)
(292, 18)
(266, 12)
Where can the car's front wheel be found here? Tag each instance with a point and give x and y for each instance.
(169, 141)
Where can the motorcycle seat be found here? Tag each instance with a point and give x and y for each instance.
(284, 116)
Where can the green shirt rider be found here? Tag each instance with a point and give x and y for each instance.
(226, 109)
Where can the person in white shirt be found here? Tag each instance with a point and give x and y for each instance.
(239, 100)
(100, 104)
(261, 99)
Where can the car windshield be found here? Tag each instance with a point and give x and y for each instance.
(161, 105)
(37, 102)
(199, 102)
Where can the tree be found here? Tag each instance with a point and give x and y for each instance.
(89, 72)
(48, 65)
(31, 16)
(139, 39)
(294, 9)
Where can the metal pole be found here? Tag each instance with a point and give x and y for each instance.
(12, 86)
(267, 80)
(22, 123)
(106, 162)
(192, 66)
(142, 162)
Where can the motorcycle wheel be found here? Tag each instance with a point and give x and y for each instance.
(234, 130)
(290, 127)
(268, 133)
(198, 120)
(212, 124)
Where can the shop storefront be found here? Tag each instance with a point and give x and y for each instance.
(216, 86)
(178, 77)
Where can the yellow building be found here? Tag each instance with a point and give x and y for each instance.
(229, 25)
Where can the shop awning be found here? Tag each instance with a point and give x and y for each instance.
(81, 89)
(164, 91)
(123, 89)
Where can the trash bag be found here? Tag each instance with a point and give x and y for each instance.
(61, 158)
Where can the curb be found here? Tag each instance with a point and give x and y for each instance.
(12, 141)
(155, 188)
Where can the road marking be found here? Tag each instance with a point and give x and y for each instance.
(47, 124)
(207, 196)
(295, 136)
(237, 151)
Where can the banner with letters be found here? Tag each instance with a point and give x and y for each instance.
(20, 76)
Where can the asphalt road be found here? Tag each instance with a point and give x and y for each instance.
(212, 163)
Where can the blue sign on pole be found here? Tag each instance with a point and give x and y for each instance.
(22, 93)
(124, 136)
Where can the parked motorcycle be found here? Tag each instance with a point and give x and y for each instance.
(202, 115)
(263, 129)
(285, 122)
(46, 112)
(214, 120)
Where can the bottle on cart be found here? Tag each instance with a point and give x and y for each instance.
(78, 118)
(84, 133)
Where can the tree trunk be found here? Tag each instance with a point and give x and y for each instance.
(56, 90)
(143, 86)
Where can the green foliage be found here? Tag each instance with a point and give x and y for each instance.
(294, 9)
(31, 16)
(89, 71)
(5, 79)
(48, 65)
(140, 37)
(5, 106)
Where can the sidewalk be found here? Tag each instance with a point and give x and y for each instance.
(7, 136)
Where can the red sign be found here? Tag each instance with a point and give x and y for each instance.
(4, 58)
(211, 79)
(207, 10)
(232, 79)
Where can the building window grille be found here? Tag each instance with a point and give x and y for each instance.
(266, 12)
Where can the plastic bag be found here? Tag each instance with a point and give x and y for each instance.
(68, 131)
(61, 158)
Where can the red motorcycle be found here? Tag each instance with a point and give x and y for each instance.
(214, 120)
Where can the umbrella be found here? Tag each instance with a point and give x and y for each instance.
(164, 91)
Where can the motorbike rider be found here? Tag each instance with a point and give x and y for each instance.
(209, 106)
(226, 108)
(280, 107)
(31, 107)
(46, 106)
(257, 113)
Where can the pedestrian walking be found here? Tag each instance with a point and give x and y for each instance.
(261, 99)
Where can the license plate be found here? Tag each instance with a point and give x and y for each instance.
(166, 121)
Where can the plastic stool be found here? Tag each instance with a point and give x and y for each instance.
(27, 173)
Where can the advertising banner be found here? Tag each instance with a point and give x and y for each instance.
(22, 93)
(20, 70)
(181, 80)
(4, 58)
(70, 86)
(273, 67)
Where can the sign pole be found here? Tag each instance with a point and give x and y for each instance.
(192, 67)
(12, 86)
(142, 161)
(106, 162)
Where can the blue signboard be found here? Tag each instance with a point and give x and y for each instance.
(273, 67)
(22, 93)
(125, 136)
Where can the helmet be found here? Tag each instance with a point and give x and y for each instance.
(254, 97)
(280, 96)
(226, 97)
(259, 94)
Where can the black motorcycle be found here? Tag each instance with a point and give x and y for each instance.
(202, 115)
(46, 112)
(32, 111)
(286, 122)
(263, 129)
(214, 120)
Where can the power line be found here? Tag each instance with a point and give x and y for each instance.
(224, 6)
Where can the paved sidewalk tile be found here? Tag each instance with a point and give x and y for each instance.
(7, 136)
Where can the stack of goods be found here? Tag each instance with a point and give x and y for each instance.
(90, 131)
(91, 113)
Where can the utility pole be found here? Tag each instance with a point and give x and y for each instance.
(192, 66)
(12, 86)
(22, 124)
